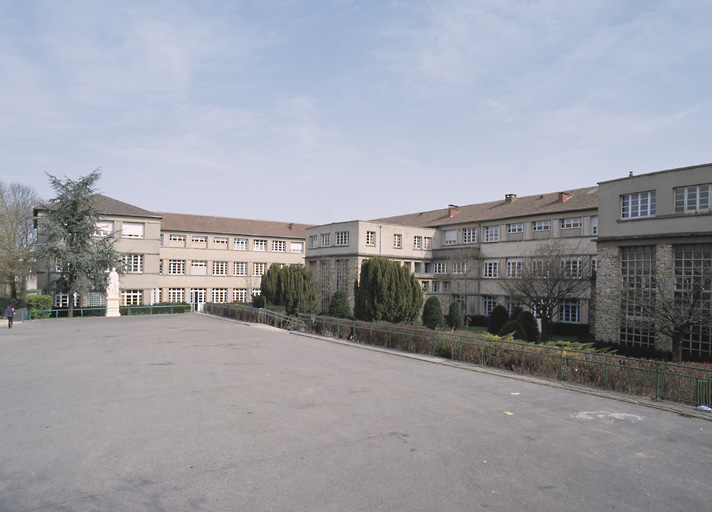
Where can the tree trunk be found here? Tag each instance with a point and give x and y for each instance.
(70, 306)
(544, 329)
(677, 347)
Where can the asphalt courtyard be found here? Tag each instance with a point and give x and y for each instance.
(194, 413)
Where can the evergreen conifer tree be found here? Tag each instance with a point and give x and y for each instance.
(432, 312)
(497, 319)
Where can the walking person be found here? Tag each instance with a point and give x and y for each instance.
(9, 313)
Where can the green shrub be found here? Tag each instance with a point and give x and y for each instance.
(477, 321)
(526, 318)
(566, 329)
(497, 319)
(339, 305)
(443, 349)
(39, 305)
(258, 301)
(432, 313)
(454, 315)
(513, 326)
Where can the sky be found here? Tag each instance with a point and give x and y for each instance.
(320, 111)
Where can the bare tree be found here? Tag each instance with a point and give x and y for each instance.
(672, 304)
(462, 271)
(549, 274)
(17, 235)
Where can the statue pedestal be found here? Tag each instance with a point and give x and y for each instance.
(112, 307)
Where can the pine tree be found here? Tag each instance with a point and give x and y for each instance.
(68, 226)
(432, 313)
(387, 292)
(339, 305)
(454, 316)
(268, 284)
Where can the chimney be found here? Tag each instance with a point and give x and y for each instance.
(563, 197)
(510, 198)
(291, 226)
(452, 210)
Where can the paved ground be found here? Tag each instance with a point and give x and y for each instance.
(188, 413)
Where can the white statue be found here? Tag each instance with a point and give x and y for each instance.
(112, 291)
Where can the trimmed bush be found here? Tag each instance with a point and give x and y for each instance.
(432, 313)
(37, 303)
(339, 305)
(566, 329)
(454, 316)
(258, 301)
(526, 318)
(512, 326)
(497, 319)
(477, 321)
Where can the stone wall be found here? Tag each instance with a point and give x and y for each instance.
(608, 279)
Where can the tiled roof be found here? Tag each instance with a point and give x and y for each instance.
(109, 206)
(227, 225)
(539, 204)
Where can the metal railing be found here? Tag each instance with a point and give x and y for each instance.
(101, 311)
(653, 379)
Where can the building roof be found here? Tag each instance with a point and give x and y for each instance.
(228, 225)
(110, 206)
(539, 204)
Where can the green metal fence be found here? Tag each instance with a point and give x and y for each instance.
(101, 311)
(255, 315)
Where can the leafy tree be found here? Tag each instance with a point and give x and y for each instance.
(387, 292)
(526, 318)
(497, 319)
(454, 315)
(17, 235)
(67, 225)
(268, 284)
(513, 326)
(549, 275)
(339, 305)
(432, 313)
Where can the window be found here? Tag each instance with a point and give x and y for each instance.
(436, 286)
(342, 238)
(426, 268)
(160, 240)
(240, 268)
(692, 265)
(451, 237)
(571, 268)
(296, 246)
(514, 268)
(638, 205)
(417, 242)
(239, 244)
(342, 275)
(279, 245)
(197, 295)
(104, 228)
(541, 225)
(638, 282)
(61, 300)
(492, 234)
(259, 245)
(571, 223)
(160, 267)
(325, 239)
(513, 304)
(570, 311)
(220, 242)
(488, 304)
(446, 286)
(199, 239)
(176, 295)
(219, 295)
(397, 241)
(515, 228)
(219, 268)
(427, 242)
(256, 292)
(469, 236)
(133, 263)
(176, 240)
(424, 285)
(459, 268)
(594, 264)
(199, 268)
(131, 297)
(313, 242)
(440, 268)
(371, 238)
(157, 294)
(239, 295)
(491, 269)
(96, 300)
(132, 230)
(692, 198)
(594, 225)
(258, 269)
(176, 267)
(540, 268)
